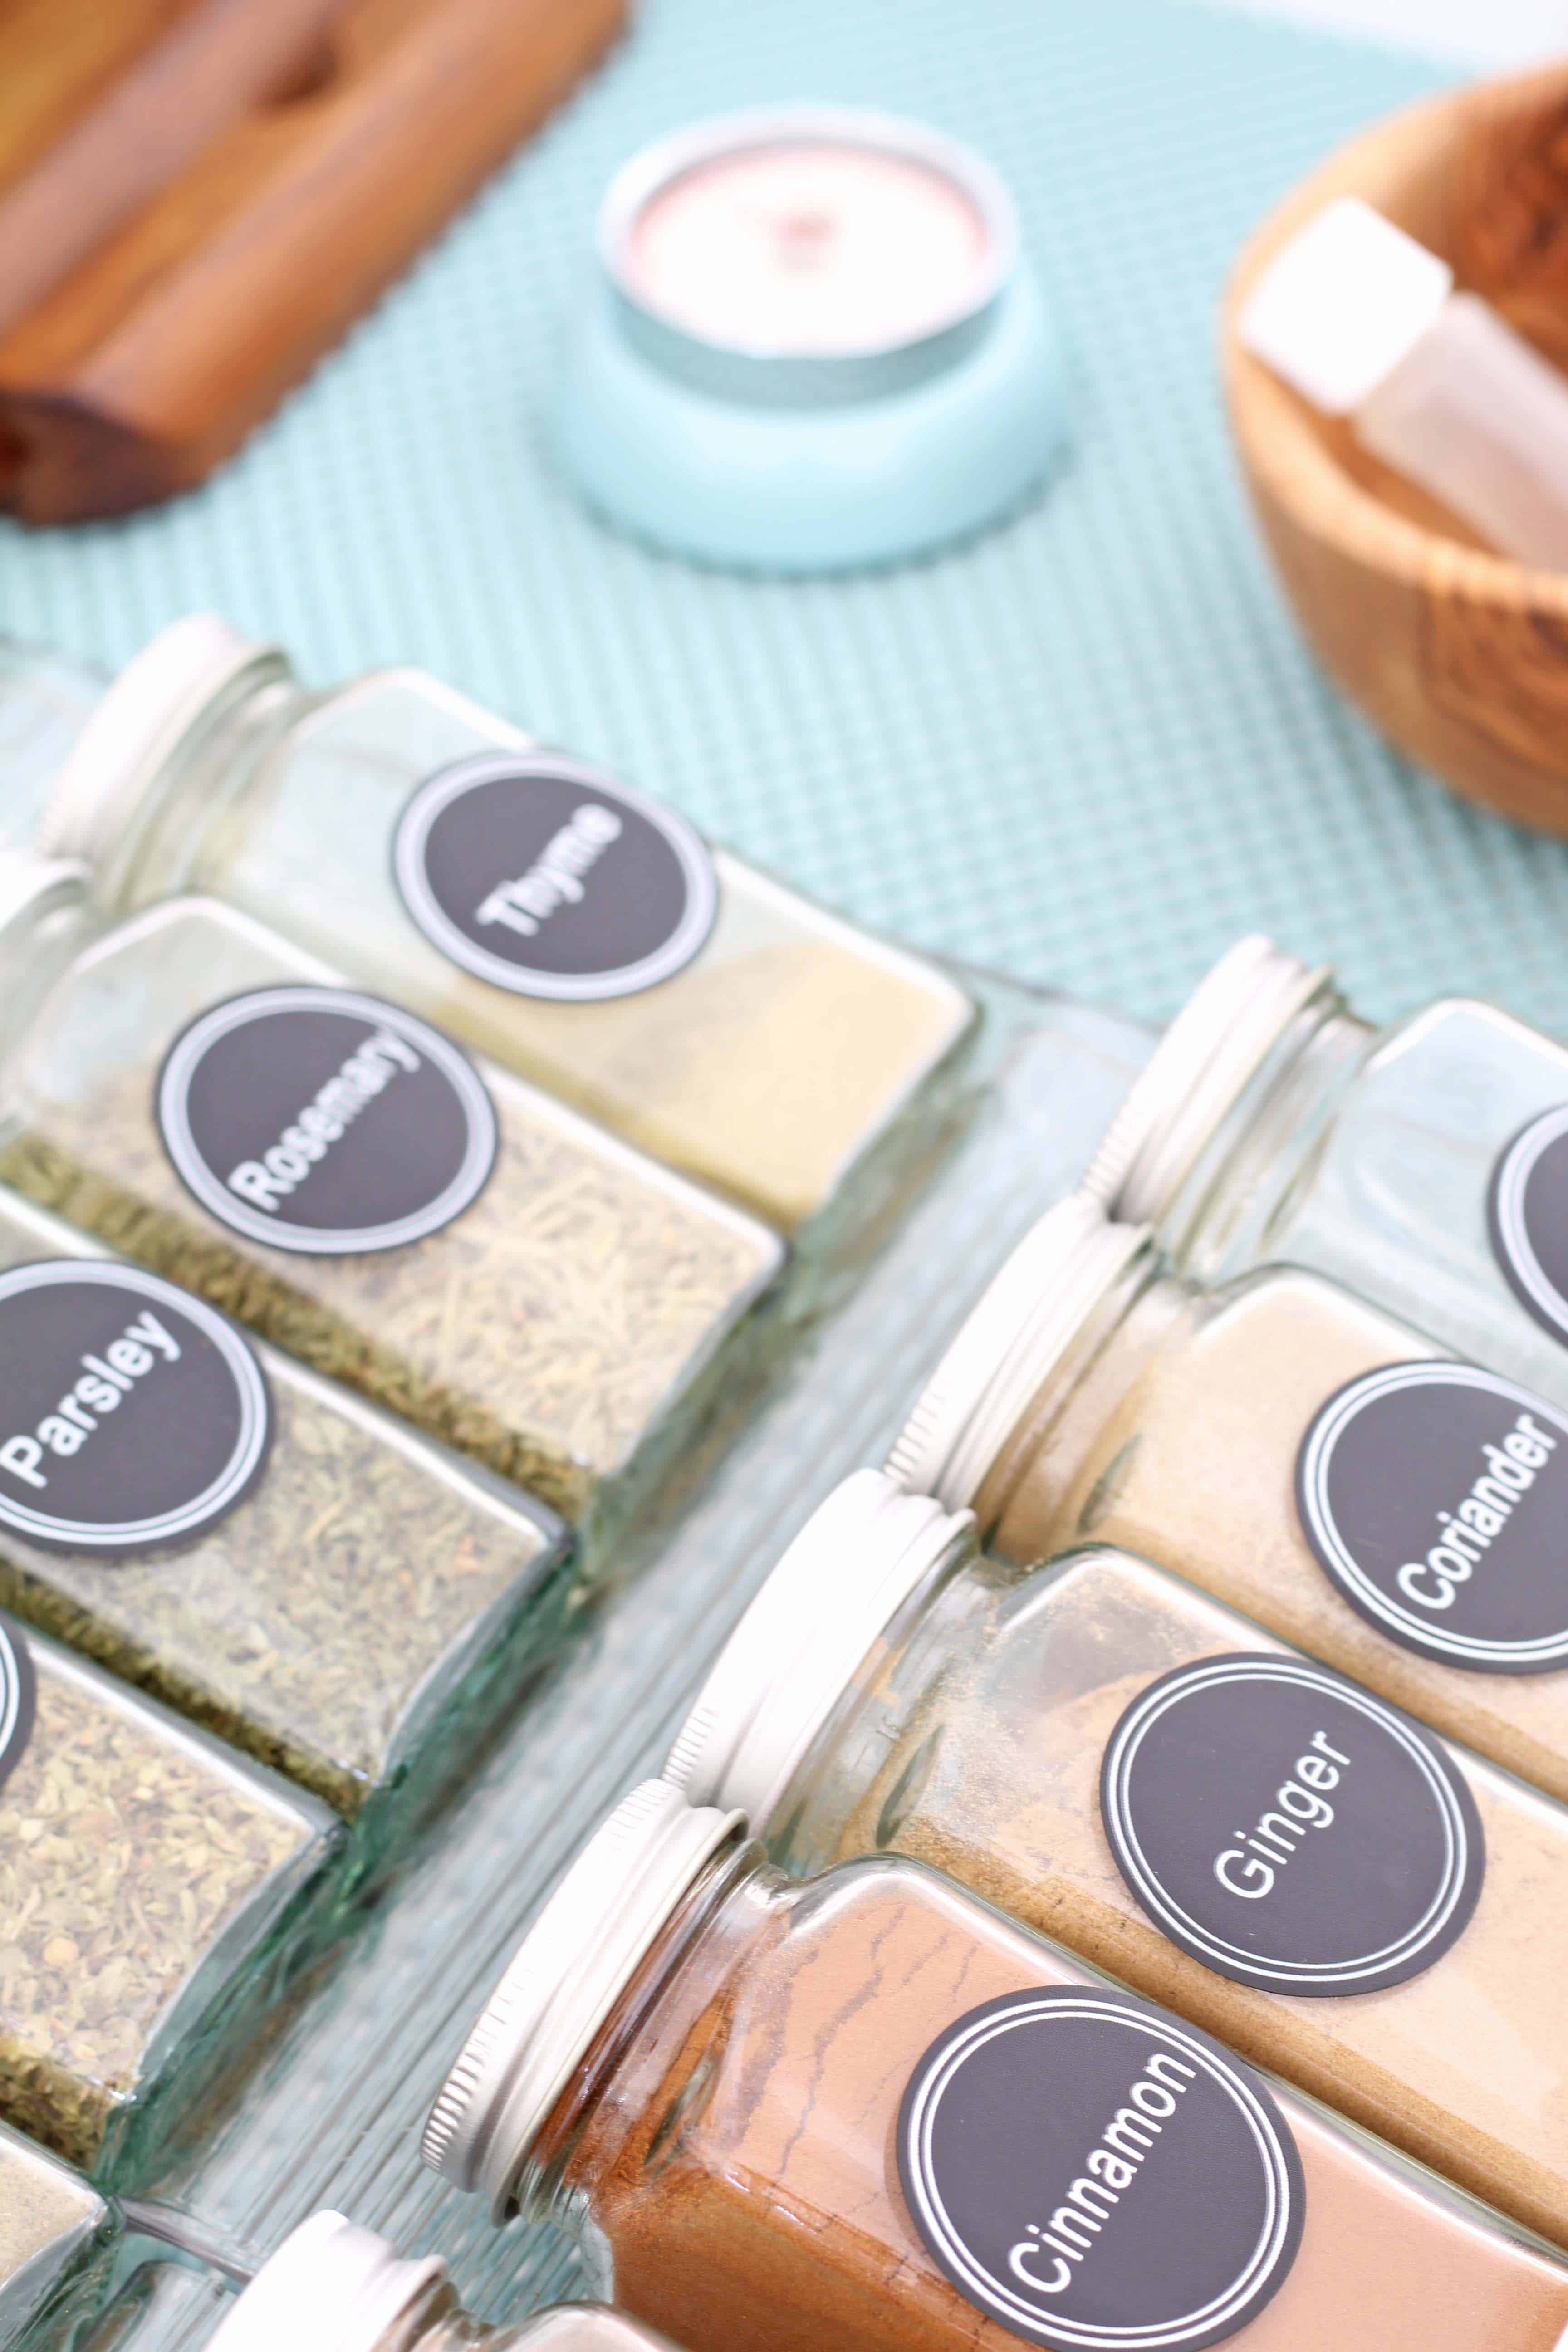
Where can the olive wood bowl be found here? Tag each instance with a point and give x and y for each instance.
(1458, 653)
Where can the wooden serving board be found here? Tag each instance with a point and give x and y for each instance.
(198, 197)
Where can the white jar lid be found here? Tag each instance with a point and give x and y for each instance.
(1024, 1325)
(32, 888)
(153, 702)
(330, 2287)
(1342, 304)
(1198, 1072)
(566, 1975)
(859, 1556)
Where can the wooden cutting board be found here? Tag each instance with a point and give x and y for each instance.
(198, 197)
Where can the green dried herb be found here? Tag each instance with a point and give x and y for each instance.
(127, 1851)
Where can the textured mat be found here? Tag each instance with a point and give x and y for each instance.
(1088, 749)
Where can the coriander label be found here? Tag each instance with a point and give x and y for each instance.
(536, 872)
(321, 1121)
(18, 1697)
(131, 1415)
(1096, 2175)
(1527, 1213)
(1288, 1829)
(1436, 1498)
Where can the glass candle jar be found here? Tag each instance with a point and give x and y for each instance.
(1425, 1167)
(542, 912)
(271, 1555)
(1299, 1453)
(871, 2113)
(1226, 1826)
(56, 2241)
(341, 1178)
(153, 1888)
(338, 2288)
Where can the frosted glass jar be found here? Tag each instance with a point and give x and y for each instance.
(357, 1613)
(1304, 1457)
(154, 1889)
(451, 1242)
(1226, 1826)
(735, 2091)
(57, 2238)
(711, 1016)
(1425, 1166)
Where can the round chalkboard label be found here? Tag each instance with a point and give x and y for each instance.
(18, 1697)
(536, 872)
(321, 1121)
(1289, 1830)
(1528, 1213)
(1097, 2176)
(131, 1415)
(1436, 1496)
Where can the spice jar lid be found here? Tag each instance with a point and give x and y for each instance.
(330, 2287)
(565, 1978)
(1024, 1323)
(1198, 1072)
(153, 702)
(32, 888)
(862, 1555)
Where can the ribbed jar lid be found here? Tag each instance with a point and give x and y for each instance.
(567, 1975)
(1014, 1338)
(860, 1556)
(1198, 1072)
(330, 2287)
(156, 700)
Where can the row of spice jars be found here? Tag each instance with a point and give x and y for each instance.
(865, 2109)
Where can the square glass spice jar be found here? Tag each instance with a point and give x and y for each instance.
(1424, 1166)
(542, 912)
(156, 1890)
(269, 1554)
(1296, 1452)
(871, 2112)
(342, 1179)
(1226, 1826)
(57, 2238)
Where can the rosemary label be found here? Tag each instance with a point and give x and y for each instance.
(132, 1415)
(317, 1120)
(537, 873)
(1100, 2177)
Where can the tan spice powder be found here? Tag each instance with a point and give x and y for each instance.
(740, 2161)
(996, 1780)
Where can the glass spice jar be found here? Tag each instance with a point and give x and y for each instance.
(1224, 1825)
(340, 1178)
(1424, 1166)
(539, 909)
(1312, 1461)
(338, 2288)
(155, 1889)
(869, 2112)
(57, 2238)
(272, 1556)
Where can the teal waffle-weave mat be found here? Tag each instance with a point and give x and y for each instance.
(1088, 749)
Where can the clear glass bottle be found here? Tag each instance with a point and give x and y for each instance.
(742, 1036)
(57, 2238)
(450, 1242)
(155, 1889)
(343, 2289)
(1421, 1165)
(356, 1610)
(733, 2089)
(1116, 1762)
(1299, 1454)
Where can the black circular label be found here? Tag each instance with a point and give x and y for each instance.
(1097, 2176)
(1527, 1213)
(1436, 1496)
(540, 875)
(317, 1120)
(19, 1696)
(131, 1415)
(1288, 1829)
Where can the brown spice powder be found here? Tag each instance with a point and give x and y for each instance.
(741, 2163)
(997, 1780)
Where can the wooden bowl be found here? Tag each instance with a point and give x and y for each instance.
(1458, 653)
